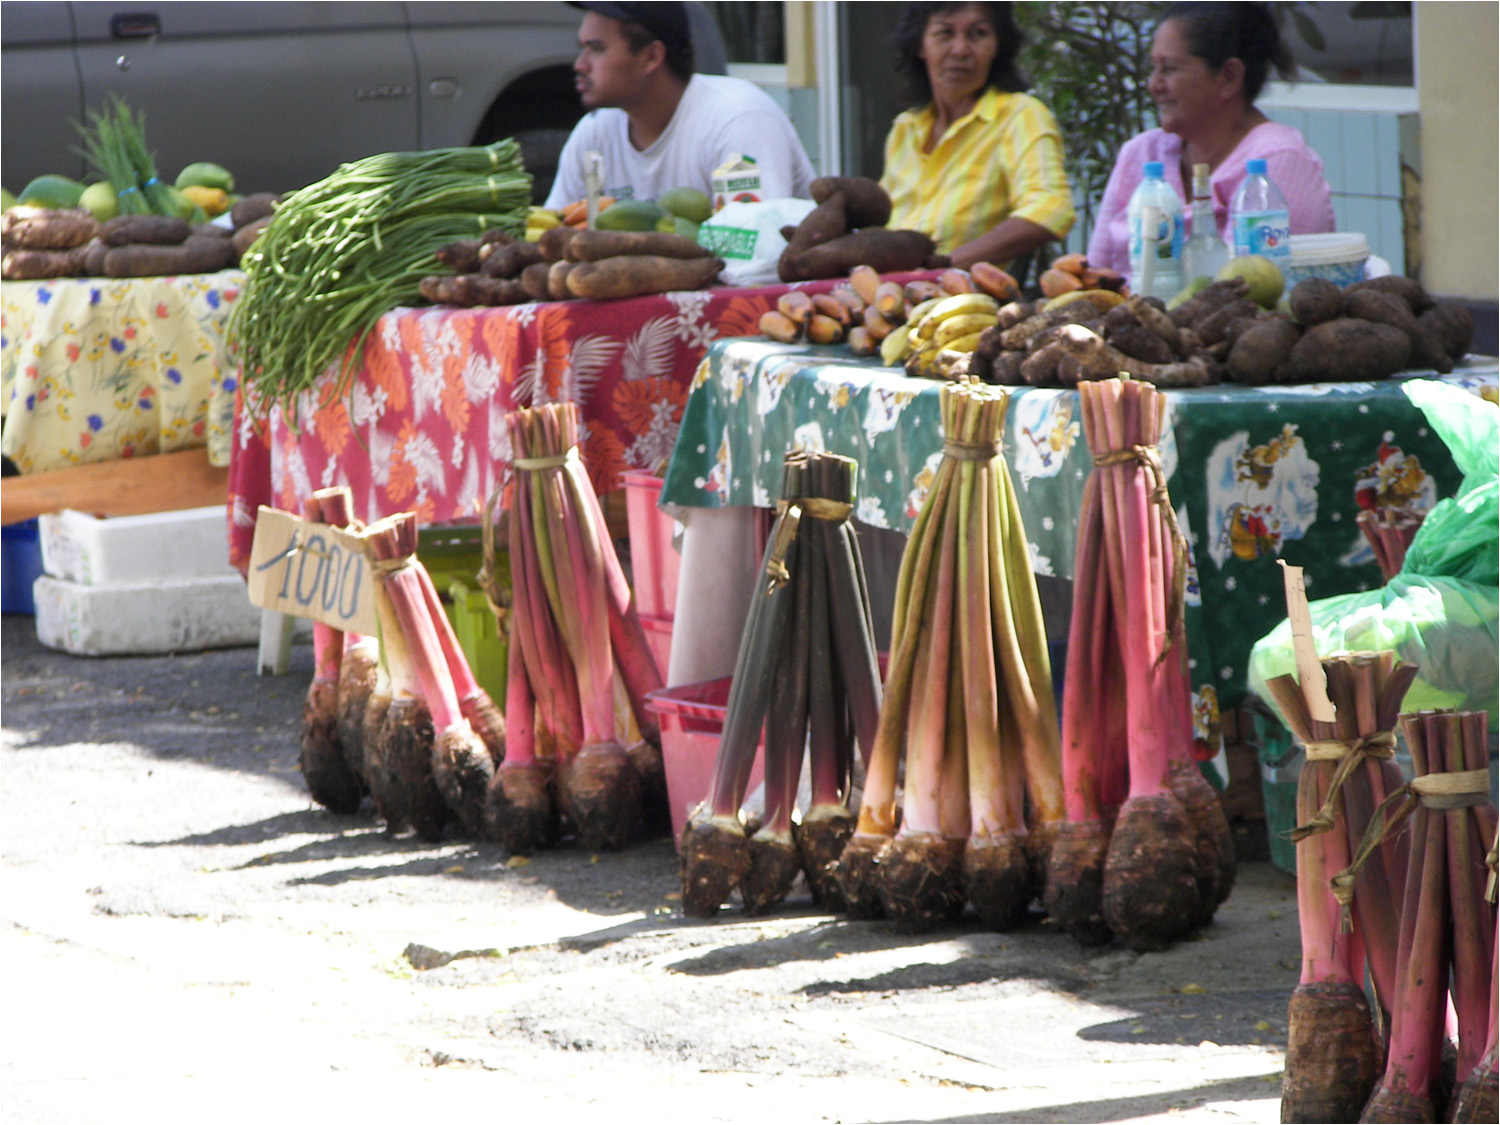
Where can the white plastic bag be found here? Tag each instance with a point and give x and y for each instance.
(748, 237)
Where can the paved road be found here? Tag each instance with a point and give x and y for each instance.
(188, 937)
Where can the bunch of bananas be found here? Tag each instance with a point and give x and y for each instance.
(939, 334)
(539, 219)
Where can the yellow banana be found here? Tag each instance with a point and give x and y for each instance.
(542, 219)
(894, 347)
(954, 327)
(961, 304)
(964, 344)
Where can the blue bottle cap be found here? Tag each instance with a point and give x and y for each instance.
(1255, 167)
(1154, 170)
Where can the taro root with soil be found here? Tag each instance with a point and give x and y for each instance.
(587, 664)
(807, 674)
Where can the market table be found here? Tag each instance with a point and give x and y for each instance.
(1256, 473)
(422, 426)
(98, 369)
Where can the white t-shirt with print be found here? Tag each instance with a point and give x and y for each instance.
(718, 118)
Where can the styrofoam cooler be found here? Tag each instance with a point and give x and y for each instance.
(121, 550)
(171, 615)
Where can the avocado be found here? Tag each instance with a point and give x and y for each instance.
(630, 214)
(57, 193)
(687, 203)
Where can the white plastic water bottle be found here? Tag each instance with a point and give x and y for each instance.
(1260, 219)
(1162, 275)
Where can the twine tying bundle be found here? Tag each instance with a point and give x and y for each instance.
(1350, 753)
(1149, 458)
(551, 461)
(971, 451)
(1456, 790)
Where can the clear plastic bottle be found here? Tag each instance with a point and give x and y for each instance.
(1166, 262)
(1205, 252)
(1260, 219)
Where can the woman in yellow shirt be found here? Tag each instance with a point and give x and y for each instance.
(978, 163)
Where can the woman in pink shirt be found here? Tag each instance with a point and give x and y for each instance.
(1209, 62)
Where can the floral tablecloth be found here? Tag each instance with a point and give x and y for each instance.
(422, 427)
(98, 369)
(1255, 473)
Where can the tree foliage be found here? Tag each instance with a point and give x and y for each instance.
(1090, 63)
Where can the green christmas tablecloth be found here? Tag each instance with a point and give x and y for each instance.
(1255, 473)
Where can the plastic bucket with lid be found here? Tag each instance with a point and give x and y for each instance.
(1339, 258)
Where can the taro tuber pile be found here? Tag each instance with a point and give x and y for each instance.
(847, 228)
(968, 704)
(581, 742)
(567, 263)
(40, 244)
(1145, 852)
(807, 675)
(1369, 331)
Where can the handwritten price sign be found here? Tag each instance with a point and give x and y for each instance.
(311, 570)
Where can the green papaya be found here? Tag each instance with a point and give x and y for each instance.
(205, 174)
(55, 192)
(687, 203)
(630, 214)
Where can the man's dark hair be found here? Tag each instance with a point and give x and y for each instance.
(679, 59)
(1004, 74)
(1217, 33)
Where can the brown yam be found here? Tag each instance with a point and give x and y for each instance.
(252, 207)
(509, 260)
(1408, 289)
(557, 280)
(495, 236)
(1020, 335)
(472, 289)
(1259, 353)
(1099, 360)
(1005, 370)
(866, 203)
(635, 275)
(210, 230)
(1315, 300)
(886, 251)
(40, 265)
(40, 228)
(93, 257)
(1213, 296)
(1039, 369)
(596, 245)
(461, 256)
(1140, 343)
(1452, 326)
(1346, 351)
(198, 255)
(245, 236)
(156, 230)
(1210, 330)
(534, 280)
(1383, 308)
(554, 242)
(823, 223)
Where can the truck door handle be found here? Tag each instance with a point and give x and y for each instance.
(134, 25)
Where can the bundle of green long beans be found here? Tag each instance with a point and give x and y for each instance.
(340, 253)
(114, 143)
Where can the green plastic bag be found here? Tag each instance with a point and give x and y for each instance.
(1440, 612)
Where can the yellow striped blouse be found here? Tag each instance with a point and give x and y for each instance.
(1004, 158)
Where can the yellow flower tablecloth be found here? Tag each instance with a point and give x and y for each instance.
(98, 369)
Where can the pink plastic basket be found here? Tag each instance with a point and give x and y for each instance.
(659, 638)
(653, 560)
(692, 722)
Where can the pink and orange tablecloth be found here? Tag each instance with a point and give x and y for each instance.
(422, 426)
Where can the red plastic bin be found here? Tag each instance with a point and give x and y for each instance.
(692, 722)
(659, 639)
(654, 562)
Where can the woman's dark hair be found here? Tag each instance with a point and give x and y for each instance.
(1217, 33)
(1004, 74)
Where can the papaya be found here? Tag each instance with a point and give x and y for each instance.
(686, 203)
(205, 174)
(55, 193)
(631, 214)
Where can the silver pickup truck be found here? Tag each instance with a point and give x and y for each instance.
(282, 93)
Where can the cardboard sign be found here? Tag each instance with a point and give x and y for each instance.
(311, 570)
(1310, 676)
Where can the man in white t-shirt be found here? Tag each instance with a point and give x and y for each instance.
(660, 126)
